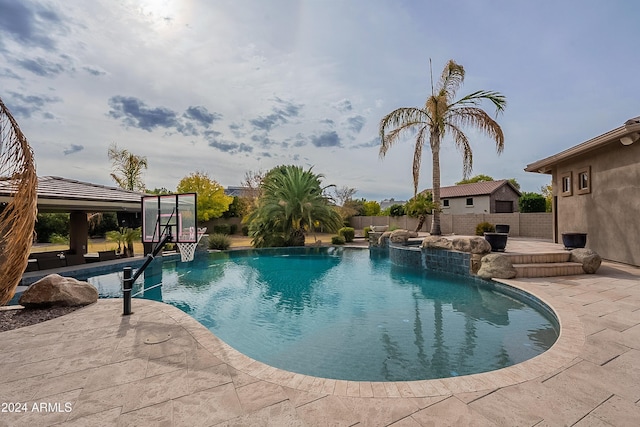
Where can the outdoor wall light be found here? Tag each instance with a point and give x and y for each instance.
(630, 139)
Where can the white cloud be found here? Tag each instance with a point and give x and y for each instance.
(231, 86)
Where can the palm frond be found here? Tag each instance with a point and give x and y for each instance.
(462, 144)
(479, 119)
(398, 122)
(417, 158)
(451, 79)
(475, 98)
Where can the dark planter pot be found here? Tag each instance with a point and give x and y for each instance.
(502, 228)
(574, 240)
(498, 241)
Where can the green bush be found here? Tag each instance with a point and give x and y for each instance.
(245, 230)
(222, 229)
(51, 223)
(366, 231)
(338, 240)
(484, 227)
(532, 202)
(58, 239)
(348, 233)
(396, 210)
(219, 241)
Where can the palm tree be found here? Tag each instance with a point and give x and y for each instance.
(419, 207)
(128, 168)
(291, 202)
(442, 113)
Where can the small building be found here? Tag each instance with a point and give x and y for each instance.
(78, 198)
(596, 190)
(480, 197)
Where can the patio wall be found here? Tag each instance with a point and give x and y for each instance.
(535, 225)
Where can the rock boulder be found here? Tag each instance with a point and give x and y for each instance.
(57, 291)
(474, 245)
(589, 259)
(401, 236)
(496, 266)
(437, 242)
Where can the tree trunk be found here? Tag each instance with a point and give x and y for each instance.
(297, 237)
(435, 153)
(421, 220)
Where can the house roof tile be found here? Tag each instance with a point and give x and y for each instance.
(474, 189)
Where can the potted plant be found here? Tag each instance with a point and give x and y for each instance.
(574, 240)
(498, 241)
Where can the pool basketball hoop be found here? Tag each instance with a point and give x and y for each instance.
(188, 249)
(167, 218)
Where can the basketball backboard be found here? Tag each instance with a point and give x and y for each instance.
(172, 214)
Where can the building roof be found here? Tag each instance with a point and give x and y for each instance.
(56, 194)
(626, 134)
(475, 189)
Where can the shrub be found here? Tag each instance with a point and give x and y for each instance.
(169, 247)
(337, 240)
(219, 241)
(532, 202)
(58, 239)
(484, 227)
(222, 229)
(366, 231)
(233, 228)
(348, 233)
(245, 230)
(396, 210)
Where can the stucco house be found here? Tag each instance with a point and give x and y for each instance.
(596, 190)
(480, 197)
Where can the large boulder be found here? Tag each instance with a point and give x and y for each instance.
(589, 259)
(402, 236)
(496, 266)
(437, 242)
(473, 245)
(57, 291)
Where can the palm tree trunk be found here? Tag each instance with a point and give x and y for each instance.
(421, 220)
(435, 153)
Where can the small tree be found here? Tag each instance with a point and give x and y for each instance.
(371, 208)
(474, 179)
(212, 202)
(532, 202)
(419, 207)
(127, 168)
(396, 210)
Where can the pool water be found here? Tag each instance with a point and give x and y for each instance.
(341, 313)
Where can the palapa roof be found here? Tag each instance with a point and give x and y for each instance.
(56, 194)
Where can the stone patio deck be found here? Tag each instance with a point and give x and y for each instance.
(161, 367)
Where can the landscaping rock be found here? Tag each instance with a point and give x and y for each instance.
(474, 245)
(589, 259)
(437, 242)
(496, 266)
(57, 291)
(402, 236)
(383, 240)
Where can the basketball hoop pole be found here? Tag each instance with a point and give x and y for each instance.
(128, 280)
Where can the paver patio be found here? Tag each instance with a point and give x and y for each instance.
(161, 367)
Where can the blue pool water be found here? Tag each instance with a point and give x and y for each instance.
(341, 313)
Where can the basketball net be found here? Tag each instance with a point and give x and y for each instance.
(188, 250)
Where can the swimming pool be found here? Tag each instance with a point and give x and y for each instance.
(340, 313)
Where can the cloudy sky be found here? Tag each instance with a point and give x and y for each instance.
(231, 86)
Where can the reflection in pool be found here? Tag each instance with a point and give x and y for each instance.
(339, 313)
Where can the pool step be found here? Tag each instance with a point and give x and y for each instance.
(548, 269)
(546, 264)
